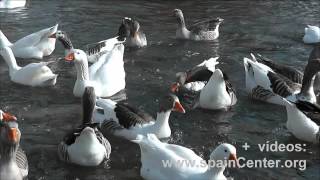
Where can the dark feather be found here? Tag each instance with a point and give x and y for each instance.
(280, 86)
(129, 116)
(310, 110)
(291, 73)
(95, 47)
(201, 73)
(21, 159)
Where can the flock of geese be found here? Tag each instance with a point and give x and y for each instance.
(101, 77)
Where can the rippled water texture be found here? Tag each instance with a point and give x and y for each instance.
(272, 28)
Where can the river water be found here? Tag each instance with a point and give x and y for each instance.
(271, 28)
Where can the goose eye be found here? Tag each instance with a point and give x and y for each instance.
(225, 150)
(78, 53)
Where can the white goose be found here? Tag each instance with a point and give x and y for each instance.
(107, 75)
(10, 4)
(311, 34)
(262, 83)
(35, 45)
(126, 121)
(33, 74)
(212, 88)
(205, 30)
(85, 145)
(300, 125)
(155, 153)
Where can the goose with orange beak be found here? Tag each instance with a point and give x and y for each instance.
(154, 153)
(128, 122)
(107, 75)
(13, 163)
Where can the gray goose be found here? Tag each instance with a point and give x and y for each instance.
(137, 37)
(203, 30)
(13, 160)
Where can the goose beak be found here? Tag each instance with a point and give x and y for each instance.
(69, 57)
(178, 107)
(13, 134)
(233, 157)
(8, 117)
(53, 36)
(174, 87)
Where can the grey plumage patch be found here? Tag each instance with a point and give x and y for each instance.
(104, 142)
(109, 127)
(259, 93)
(22, 161)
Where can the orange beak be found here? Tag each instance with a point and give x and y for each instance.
(8, 117)
(69, 57)
(178, 107)
(174, 87)
(53, 36)
(13, 134)
(233, 157)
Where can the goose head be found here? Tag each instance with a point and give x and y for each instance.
(218, 21)
(59, 35)
(178, 13)
(125, 28)
(171, 103)
(9, 131)
(76, 55)
(225, 152)
(182, 77)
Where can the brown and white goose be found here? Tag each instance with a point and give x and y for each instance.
(85, 145)
(136, 38)
(203, 30)
(13, 160)
(126, 121)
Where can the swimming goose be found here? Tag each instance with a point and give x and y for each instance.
(13, 163)
(107, 75)
(260, 76)
(205, 30)
(196, 78)
(95, 50)
(311, 34)
(209, 88)
(85, 145)
(154, 155)
(300, 125)
(136, 38)
(10, 4)
(35, 45)
(33, 74)
(126, 121)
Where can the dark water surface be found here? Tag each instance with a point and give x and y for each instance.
(272, 28)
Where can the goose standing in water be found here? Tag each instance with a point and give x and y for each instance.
(36, 45)
(204, 30)
(107, 75)
(263, 83)
(127, 121)
(154, 155)
(33, 74)
(85, 145)
(136, 38)
(206, 87)
(13, 160)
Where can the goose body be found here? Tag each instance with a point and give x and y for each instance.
(261, 76)
(36, 45)
(127, 121)
(107, 75)
(311, 34)
(10, 4)
(33, 74)
(211, 86)
(85, 145)
(205, 30)
(14, 163)
(300, 125)
(154, 153)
